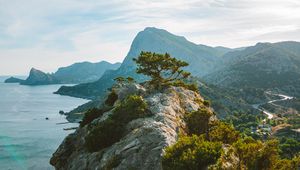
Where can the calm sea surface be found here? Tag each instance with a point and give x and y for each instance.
(27, 139)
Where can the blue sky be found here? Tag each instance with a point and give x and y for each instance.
(47, 34)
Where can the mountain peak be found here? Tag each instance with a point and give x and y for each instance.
(34, 71)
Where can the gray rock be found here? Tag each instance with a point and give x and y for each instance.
(143, 145)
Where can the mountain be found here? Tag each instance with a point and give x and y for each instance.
(74, 74)
(13, 80)
(263, 66)
(84, 72)
(202, 59)
(37, 77)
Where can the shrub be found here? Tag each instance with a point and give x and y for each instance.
(253, 154)
(112, 129)
(180, 83)
(103, 135)
(191, 153)
(198, 121)
(206, 103)
(289, 147)
(111, 98)
(223, 132)
(90, 115)
(132, 107)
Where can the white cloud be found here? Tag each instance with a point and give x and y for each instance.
(65, 31)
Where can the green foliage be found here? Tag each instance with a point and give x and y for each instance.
(289, 147)
(285, 164)
(111, 130)
(244, 122)
(111, 98)
(90, 115)
(104, 134)
(130, 79)
(198, 121)
(223, 132)
(122, 80)
(206, 103)
(162, 68)
(191, 153)
(132, 107)
(255, 154)
(180, 83)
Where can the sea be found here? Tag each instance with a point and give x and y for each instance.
(31, 127)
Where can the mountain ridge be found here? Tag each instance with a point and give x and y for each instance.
(81, 72)
(159, 41)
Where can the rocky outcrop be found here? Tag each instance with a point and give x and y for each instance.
(13, 80)
(143, 144)
(37, 77)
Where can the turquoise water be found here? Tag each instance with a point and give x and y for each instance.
(27, 139)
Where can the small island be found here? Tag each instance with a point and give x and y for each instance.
(13, 80)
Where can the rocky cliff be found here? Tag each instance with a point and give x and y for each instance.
(37, 77)
(142, 145)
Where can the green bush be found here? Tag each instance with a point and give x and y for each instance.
(90, 115)
(191, 153)
(180, 83)
(254, 154)
(103, 135)
(289, 147)
(223, 132)
(112, 129)
(132, 107)
(198, 121)
(111, 98)
(206, 103)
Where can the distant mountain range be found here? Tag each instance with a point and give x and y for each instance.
(265, 66)
(202, 59)
(74, 74)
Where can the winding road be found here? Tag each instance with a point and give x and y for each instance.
(269, 114)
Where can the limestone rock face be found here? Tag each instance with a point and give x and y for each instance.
(143, 145)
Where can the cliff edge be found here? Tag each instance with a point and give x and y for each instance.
(142, 143)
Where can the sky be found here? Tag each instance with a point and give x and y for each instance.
(47, 34)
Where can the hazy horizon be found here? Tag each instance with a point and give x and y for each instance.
(60, 33)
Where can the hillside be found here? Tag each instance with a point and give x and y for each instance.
(263, 66)
(84, 72)
(202, 59)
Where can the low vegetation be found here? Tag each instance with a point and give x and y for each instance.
(191, 153)
(111, 98)
(198, 121)
(112, 129)
(204, 144)
(90, 115)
